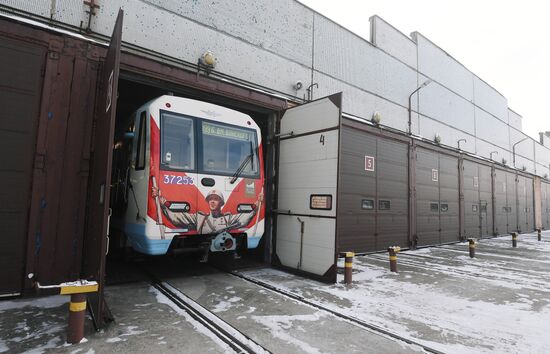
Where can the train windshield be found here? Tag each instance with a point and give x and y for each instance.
(222, 149)
(227, 148)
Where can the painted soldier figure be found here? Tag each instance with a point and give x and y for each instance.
(208, 223)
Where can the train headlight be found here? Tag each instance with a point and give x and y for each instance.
(245, 208)
(179, 206)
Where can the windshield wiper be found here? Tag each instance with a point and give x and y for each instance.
(250, 158)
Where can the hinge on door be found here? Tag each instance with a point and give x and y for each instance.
(40, 161)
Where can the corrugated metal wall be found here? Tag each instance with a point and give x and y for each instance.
(20, 89)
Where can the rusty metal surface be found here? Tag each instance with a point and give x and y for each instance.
(20, 88)
(95, 238)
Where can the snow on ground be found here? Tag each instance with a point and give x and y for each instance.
(444, 299)
(35, 321)
(280, 326)
(161, 298)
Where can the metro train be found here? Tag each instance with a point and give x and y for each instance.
(192, 179)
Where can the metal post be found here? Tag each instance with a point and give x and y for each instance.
(77, 313)
(539, 235)
(514, 239)
(393, 257)
(472, 247)
(348, 267)
(77, 307)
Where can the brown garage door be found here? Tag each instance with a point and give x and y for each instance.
(20, 87)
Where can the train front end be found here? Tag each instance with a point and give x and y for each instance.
(203, 180)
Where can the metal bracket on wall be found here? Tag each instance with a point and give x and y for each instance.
(91, 12)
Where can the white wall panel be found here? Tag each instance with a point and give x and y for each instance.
(484, 149)
(284, 27)
(542, 154)
(491, 129)
(347, 57)
(514, 119)
(440, 66)
(161, 31)
(524, 148)
(363, 104)
(72, 12)
(40, 8)
(447, 107)
(392, 41)
(449, 136)
(490, 100)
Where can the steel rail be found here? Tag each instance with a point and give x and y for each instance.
(351, 319)
(190, 307)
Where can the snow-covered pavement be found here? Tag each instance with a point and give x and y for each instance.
(498, 302)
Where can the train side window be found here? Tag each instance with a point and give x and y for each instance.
(434, 207)
(483, 208)
(140, 156)
(367, 204)
(474, 208)
(384, 205)
(444, 208)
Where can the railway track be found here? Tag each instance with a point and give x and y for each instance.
(363, 324)
(233, 338)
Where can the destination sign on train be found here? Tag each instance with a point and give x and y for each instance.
(216, 130)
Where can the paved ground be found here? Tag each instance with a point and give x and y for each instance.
(497, 302)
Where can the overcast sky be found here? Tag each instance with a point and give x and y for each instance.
(506, 42)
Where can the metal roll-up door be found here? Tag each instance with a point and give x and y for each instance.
(427, 197)
(545, 211)
(501, 206)
(472, 212)
(448, 199)
(485, 200)
(529, 205)
(521, 203)
(357, 194)
(511, 202)
(392, 205)
(20, 92)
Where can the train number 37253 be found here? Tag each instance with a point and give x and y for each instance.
(173, 179)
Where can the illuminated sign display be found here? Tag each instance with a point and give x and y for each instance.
(225, 132)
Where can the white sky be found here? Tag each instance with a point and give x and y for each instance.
(506, 42)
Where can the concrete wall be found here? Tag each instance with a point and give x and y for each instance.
(273, 45)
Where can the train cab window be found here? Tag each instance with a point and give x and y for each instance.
(226, 149)
(177, 142)
(140, 155)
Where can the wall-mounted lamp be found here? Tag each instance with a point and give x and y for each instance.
(298, 85)
(207, 61)
(491, 154)
(376, 118)
(437, 139)
(458, 142)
